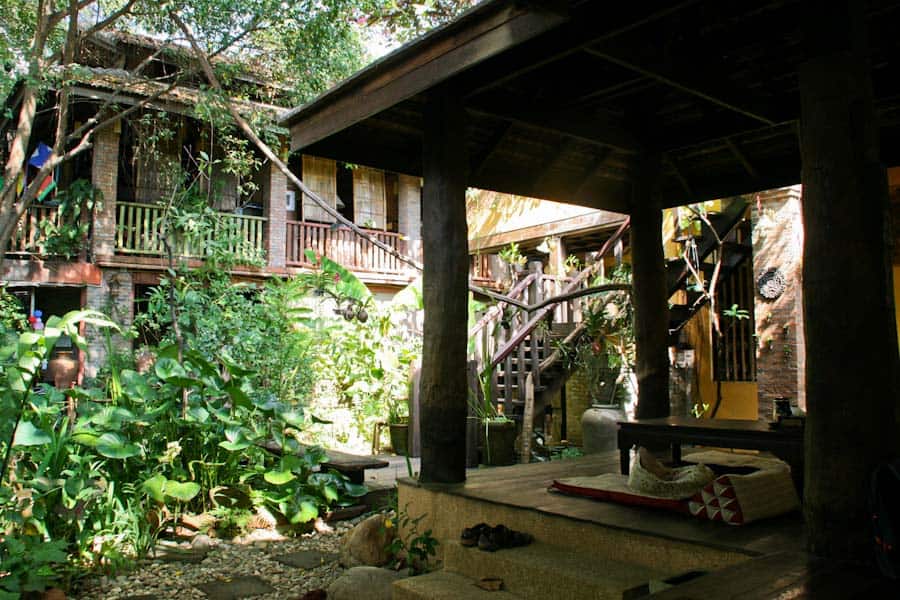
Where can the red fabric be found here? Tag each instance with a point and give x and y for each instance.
(679, 506)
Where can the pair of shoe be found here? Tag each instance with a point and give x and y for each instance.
(491, 539)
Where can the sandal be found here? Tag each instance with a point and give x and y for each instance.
(501, 536)
(471, 535)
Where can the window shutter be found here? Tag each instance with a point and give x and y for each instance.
(369, 197)
(320, 175)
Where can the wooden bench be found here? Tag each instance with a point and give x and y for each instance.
(786, 443)
(352, 465)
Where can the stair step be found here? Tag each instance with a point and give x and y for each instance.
(444, 585)
(543, 571)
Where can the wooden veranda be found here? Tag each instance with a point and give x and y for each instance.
(633, 107)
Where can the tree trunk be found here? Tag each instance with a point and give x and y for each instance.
(651, 309)
(443, 383)
(851, 334)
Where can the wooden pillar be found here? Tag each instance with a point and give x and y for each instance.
(851, 339)
(445, 292)
(651, 310)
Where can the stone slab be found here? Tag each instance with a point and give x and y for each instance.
(306, 559)
(235, 587)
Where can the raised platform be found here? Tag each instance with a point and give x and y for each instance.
(517, 496)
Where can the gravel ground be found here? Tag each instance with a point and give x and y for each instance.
(225, 561)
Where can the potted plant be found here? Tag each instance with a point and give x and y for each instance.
(398, 424)
(513, 257)
(572, 265)
(499, 447)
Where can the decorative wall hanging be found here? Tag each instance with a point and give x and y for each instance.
(771, 284)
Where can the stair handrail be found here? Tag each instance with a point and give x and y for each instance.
(497, 310)
(519, 336)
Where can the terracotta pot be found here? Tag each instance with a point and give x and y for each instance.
(62, 369)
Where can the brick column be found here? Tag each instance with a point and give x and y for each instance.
(778, 244)
(104, 176)
(409, 221)
(114, 297)
(276, 214)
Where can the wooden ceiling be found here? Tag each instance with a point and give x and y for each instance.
(562, 96)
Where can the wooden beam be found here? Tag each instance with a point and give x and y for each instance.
(689, 83)
(673, 164)
(443, 391)
(739, 154)
(594, 129)
(550, 162)
(479, 162)
(590, 24)
(599, 161)
(431, 60)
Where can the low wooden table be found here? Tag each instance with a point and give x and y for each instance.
(785, 443)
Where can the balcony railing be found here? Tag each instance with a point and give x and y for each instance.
(342, 245)
(139, 227)
(26, 239)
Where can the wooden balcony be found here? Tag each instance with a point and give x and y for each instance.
(139, 227)
(342, 245)
(27, 237)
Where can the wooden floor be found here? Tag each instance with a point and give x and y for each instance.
(525, 486)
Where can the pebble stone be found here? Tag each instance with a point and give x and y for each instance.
(225, 562)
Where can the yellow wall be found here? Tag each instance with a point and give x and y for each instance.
(739, 399)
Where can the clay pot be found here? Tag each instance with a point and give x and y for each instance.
(62, 369)
(599, 427)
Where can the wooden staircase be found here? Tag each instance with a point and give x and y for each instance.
(517, 346)
(736, 248)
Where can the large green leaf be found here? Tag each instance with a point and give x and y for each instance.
(171, 371)
(114, 445)
(155, 487)
(159, 488)
(27, 434)
(183, 491)
(279, 477)
(304, 510)
(294, 417)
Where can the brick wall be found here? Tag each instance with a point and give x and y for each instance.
(115, 298)
(578, 400)
(778, 243)
(276, 188)
(104, 176)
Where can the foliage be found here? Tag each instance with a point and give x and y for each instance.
(408, 19)
(512, 256)
(411, 549)
(261, 330)
(67, 235)
(736, 313)
(607, 348)
(102, 482)
(29, 564)
(12, 314)
(573, 263)
(368, 360)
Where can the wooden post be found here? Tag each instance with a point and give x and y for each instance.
(445, 292)
(651, 310)
(851, 343)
